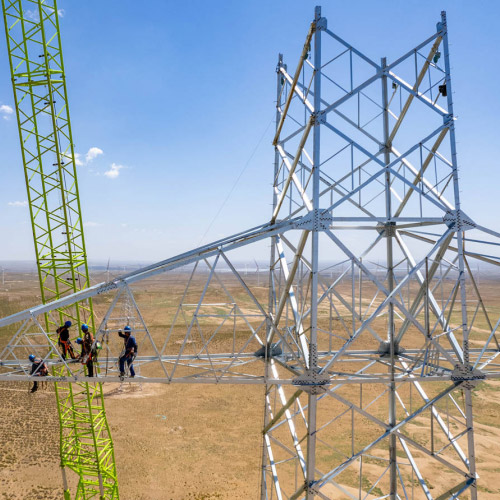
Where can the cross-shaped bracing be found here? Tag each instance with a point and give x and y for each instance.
(427, 408)
(300, 90)
(384, 182)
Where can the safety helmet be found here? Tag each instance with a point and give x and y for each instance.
(67, 324)
(85, 327)
(79, 340)
(127, 329)
(32, 357)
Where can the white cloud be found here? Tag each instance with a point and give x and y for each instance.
(78, 160)
(6, 111)
(31, 14)
(114, 171)
(92, 154)
(34, 14)
(92, 224)
(18, 203)
(4, 108)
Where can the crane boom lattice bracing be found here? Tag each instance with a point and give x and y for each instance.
(38, 79)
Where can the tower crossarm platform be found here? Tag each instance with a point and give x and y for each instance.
(246, 366)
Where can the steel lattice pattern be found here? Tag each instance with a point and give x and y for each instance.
(37, 71)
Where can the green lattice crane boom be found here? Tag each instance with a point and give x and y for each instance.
(39, 84)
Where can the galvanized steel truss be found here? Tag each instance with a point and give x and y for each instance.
(373, 331)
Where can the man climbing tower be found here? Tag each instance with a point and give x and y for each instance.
(129, 353)
(64, 342)
(38, 369)
(87, 341)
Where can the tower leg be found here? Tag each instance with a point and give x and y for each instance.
(313, 333)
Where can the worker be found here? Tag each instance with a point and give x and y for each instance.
(87, 358)
(38, 369)
(64, 342)
(129, 352)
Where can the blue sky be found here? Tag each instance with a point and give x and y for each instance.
(178, 95)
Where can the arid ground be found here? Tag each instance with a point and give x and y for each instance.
(180, 442)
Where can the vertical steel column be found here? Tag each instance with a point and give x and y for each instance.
(313, 340)
(271, 293)
(389, 232)
(461, 261)
(271, 297)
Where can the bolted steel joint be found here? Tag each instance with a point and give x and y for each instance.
(387, 230)
(467, 375)
(107, 287)
(384, 349)
(321, 24)
(448, 120)
(458, 220)
(311, 488)
(316, 220)
(319, 118)
(312, 381)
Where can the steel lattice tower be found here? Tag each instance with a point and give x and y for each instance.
(39, 83)
(373, 331)
(371, 179)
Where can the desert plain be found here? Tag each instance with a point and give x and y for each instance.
(191, 441)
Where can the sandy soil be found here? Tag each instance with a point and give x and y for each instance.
(183, 442)
(171, 442)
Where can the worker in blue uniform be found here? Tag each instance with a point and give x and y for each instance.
(129, 352)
